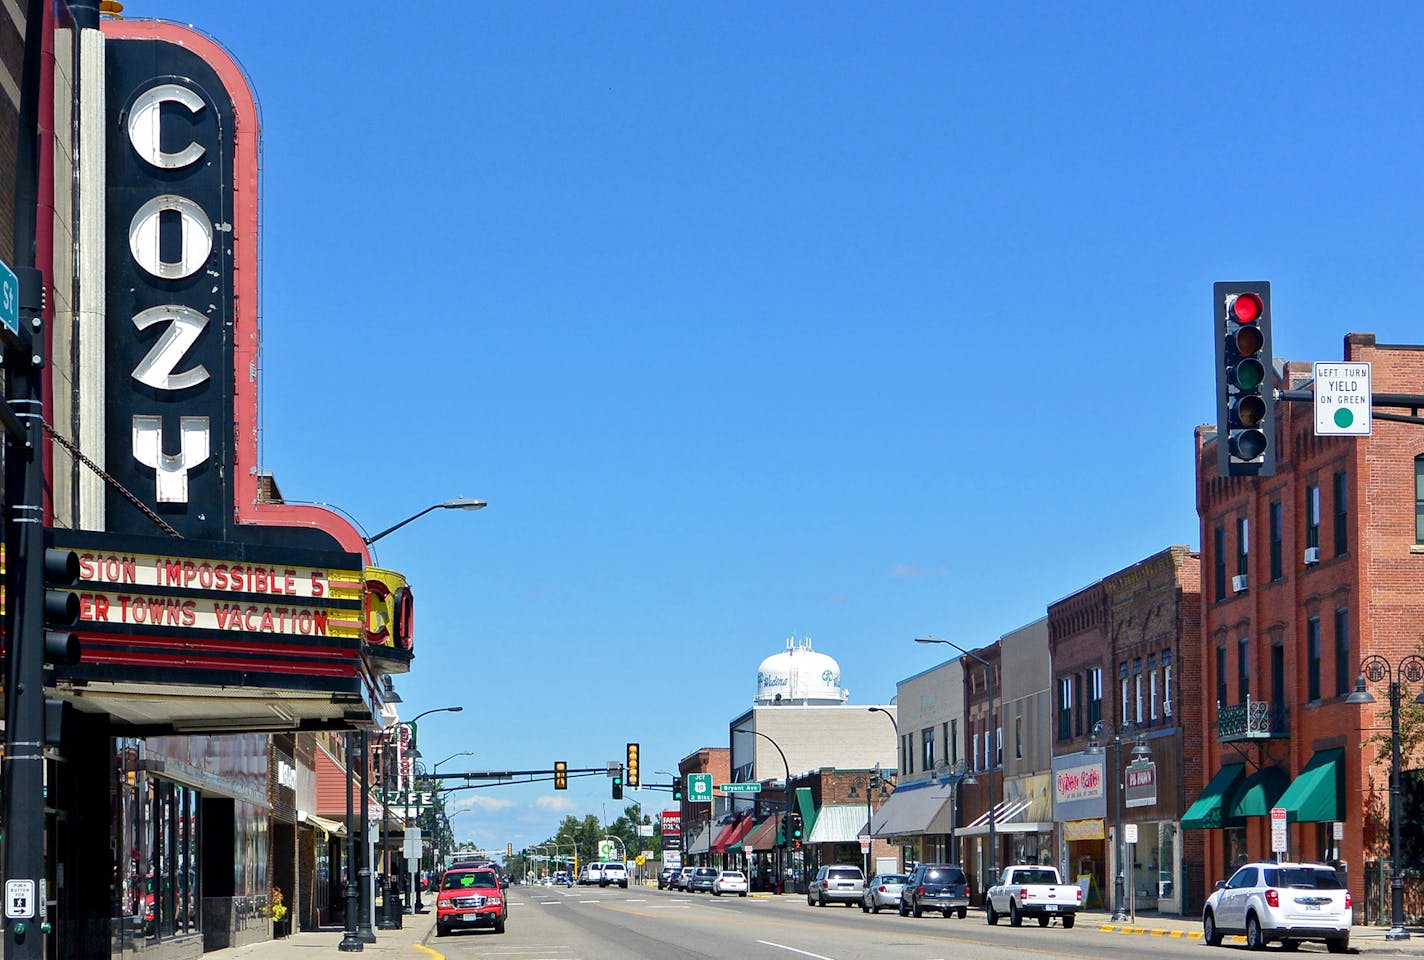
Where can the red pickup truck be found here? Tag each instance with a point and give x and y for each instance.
(470, 898)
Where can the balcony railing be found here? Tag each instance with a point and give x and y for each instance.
(1252, 720)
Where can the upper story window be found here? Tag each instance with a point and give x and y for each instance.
(1018, 738)
(1312, 670)
(1095, 696)
(1277, 571)
(1243, 670)
(1218, 560)
(1221, 673)
(1342, 537)
(1419, 499)
(1078, 703)
(1065, 708)
(1243, 546)
(953, 750)
(1312, 515)
(1342, 651)
(927, 746)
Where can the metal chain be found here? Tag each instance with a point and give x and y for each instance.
(129, 496)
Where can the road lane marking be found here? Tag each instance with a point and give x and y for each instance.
(804, 953)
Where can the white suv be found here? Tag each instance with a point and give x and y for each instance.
(1289, 902)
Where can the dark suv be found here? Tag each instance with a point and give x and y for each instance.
(935, 886)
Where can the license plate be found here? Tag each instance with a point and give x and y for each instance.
(1052, 908)
(1312, 906)
(472, 916)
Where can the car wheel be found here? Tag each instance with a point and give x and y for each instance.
(821, 900)
(1210, 934)
(990, 914)
(1254, 938)
(963, 912)
(1043, 920)
(1068, 919)
(716, 893)
(863, 907)
(742, 894)
(1338, 944)
(904, 910)
(809, 901)
(875, 907)
(945, 913)
(499, 925)
(1290, 944)
(440, 931)
(1015, 918)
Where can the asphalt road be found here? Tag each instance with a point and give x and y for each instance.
(589, 923)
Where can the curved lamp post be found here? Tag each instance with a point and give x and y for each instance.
(869, 783)
(459, 503)
(1375, 668)
(990, 761)
(785, 817)
(1127, 730)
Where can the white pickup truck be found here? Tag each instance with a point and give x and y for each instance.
(1032, 891)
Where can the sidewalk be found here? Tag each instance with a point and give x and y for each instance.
(405, 943)
(1362, 939)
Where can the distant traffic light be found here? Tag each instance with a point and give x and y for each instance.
(561, 775)
(677, 789)
(630, 766)
(618, 786)
(1245, 391)
(796, 827)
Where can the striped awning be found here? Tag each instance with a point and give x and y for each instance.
(1008, 818)
(839, 823)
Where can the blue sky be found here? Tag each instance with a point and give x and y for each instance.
(849, 321)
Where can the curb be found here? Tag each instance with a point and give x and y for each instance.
(1158, 932)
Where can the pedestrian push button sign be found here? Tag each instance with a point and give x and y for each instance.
(1342, 399)
(19, 899)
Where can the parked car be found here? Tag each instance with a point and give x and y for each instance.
(1289, 902)
(613, 873)
(590, 874)
(470, 898)
(1032, 891)
(882, 890)
(701, 880)
(838, 883)
(665, 876)
(730, 881)
(683, 876)
(935, 886)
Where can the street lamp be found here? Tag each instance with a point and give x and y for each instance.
(1375, 668)
(391, 903)
(785, 817)
(459, 503)
(888, 716)
(462, 753)
(993, 757)
(960, 772)
(875, 779)
(1127, 730)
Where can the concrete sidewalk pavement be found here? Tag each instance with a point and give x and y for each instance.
(1362, 939)
(406, 943)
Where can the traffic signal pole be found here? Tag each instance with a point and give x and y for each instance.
(23, 771)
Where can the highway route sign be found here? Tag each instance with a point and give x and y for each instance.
(699, 788)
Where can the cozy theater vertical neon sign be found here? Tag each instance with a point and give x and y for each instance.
(181, 325)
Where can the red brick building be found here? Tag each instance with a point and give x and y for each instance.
(1303, 574)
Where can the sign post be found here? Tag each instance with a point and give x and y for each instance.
(1278, 832)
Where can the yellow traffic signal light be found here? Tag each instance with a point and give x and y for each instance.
(630, 768)
(561, 775)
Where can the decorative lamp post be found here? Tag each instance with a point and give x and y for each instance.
(876, 779)
(990, 761)
(350, 941)
(1127, 730)
(960, 773)
(1375, 668)
(459, 503)
(888, 716)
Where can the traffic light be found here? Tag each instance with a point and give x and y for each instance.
(618, 785)
(561, 775)
(61, 605)
(1245, 391)
(630, 767)
(796, 827)
(677, 789)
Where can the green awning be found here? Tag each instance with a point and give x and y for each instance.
(1261, 791)
(807, 805)
(1207, 812)
(1318, 794)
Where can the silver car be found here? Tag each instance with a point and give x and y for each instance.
(883, 890)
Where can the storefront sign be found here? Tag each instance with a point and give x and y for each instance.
(1079, 787)
(1078, 783)
(1083, 830)
(1141, 784)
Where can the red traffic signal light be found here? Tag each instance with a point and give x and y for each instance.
(1245, 395)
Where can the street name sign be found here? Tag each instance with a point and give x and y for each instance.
(1342, 399)
(699, 788)
(739, 787)
(9, 299)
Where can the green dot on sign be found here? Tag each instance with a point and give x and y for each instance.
(1343, 417)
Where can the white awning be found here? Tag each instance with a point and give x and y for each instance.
(838, 823)
(1006, 820)
(332, 828)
